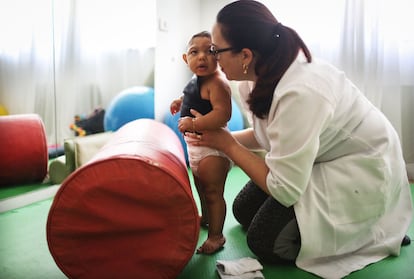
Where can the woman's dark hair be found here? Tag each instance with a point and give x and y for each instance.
(250, 24)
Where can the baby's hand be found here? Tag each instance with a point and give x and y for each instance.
(185, 124)
(176, 105)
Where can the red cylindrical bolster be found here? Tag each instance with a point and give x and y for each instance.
(23, 149)
(129, 212)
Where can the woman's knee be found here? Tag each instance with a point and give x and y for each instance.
(264, 248)
(256, 243)
(247, 203)
(288, 242)
(273, 234)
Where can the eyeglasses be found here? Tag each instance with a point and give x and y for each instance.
(216, 52)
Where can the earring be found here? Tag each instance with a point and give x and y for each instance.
(245, 69)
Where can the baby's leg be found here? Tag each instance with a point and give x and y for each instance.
(204, 211)
(212, 173)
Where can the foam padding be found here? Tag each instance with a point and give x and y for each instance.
(58, 170)
(129, 212)
(23, 149)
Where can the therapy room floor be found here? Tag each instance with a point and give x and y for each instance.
(24, 253)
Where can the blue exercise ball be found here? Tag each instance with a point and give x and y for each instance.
(130, 104)
(236, 122)
(172, 122)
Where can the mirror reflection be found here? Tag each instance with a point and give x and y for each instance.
(66, 59)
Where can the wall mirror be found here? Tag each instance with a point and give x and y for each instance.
(62, 58)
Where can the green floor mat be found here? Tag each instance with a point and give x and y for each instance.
(24, 253)
(12, 191)
(236, 247)
(23, 248)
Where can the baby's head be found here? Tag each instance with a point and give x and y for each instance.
(198, 56)
(202, 34)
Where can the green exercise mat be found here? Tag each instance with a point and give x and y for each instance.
(24, 253)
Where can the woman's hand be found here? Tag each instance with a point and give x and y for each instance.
(220, 139)
(235, 147)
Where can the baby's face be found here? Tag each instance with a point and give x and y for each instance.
(199, 58)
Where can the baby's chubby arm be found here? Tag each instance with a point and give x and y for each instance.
(220, 98)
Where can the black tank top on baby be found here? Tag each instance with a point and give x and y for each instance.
(192, 99)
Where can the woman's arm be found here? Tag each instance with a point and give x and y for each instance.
(247, 139)
(252, 164)
(236, 147)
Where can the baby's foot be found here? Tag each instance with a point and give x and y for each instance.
(212, 245)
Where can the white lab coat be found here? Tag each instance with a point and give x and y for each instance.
(338, 161)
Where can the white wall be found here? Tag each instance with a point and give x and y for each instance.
(209, 10)
(179, 21)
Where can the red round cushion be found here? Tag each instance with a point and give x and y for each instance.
(129, 212)
(23, 149)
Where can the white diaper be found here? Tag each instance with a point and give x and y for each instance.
(197, 153)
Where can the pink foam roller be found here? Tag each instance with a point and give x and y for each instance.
(129, 212)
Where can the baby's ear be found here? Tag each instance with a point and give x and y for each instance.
(185, 58)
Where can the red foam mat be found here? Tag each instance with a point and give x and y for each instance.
(129, 212)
